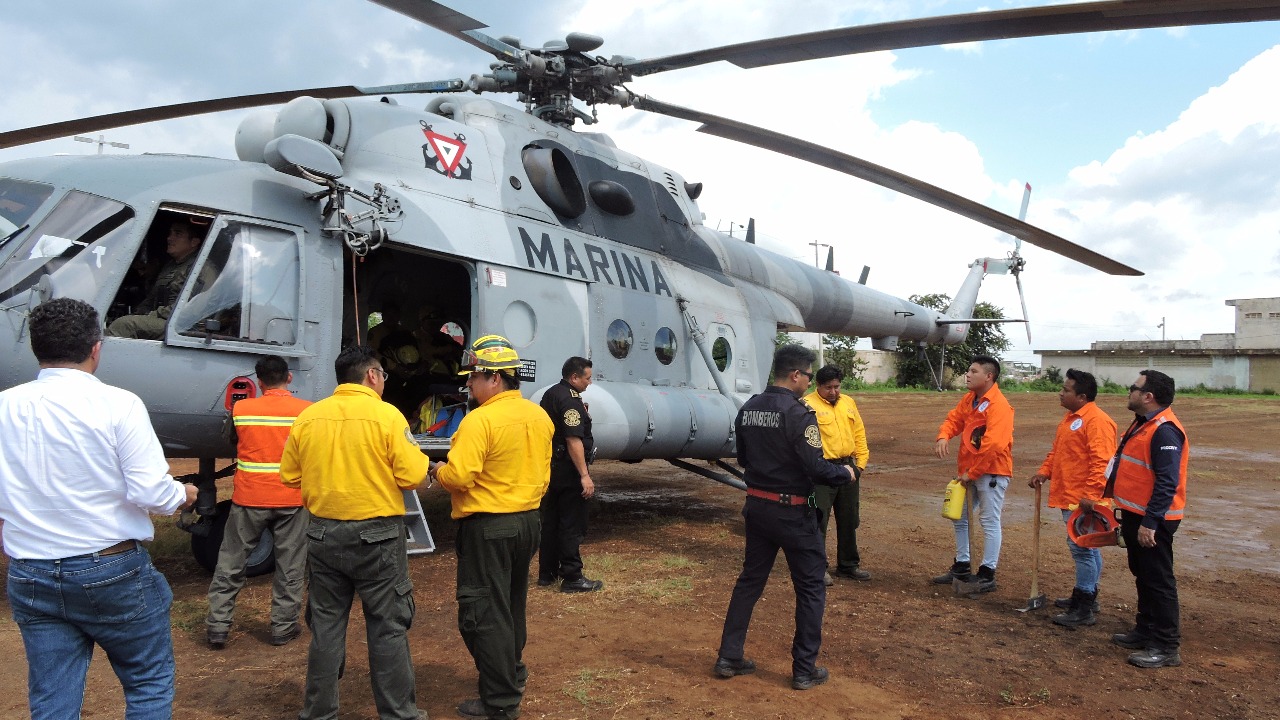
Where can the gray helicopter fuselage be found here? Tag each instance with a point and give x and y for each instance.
(618, 277)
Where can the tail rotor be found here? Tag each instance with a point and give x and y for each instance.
(1017, 263)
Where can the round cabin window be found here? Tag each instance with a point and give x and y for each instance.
(619, 339)
(721, 353)
(664, 345)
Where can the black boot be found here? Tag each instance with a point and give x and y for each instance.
(1081, 612)
(1065, 602)
(959, 571)
(986, 579)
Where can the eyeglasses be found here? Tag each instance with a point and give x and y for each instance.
(384, 374)
(1135, 388)
(806, 373)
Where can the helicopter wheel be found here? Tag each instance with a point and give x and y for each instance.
(205, 548)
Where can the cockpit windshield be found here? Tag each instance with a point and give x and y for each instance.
(19, 199)
(79, 221)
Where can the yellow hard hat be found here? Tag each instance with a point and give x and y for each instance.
(489, 353)
(407, 355)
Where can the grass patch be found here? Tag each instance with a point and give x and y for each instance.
(1015, 699)
(609, 564)
(170, 543)
(668, 590)
(676, 562)
(188, 615)
(592, 688)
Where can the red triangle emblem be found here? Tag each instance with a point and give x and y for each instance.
(448, 150)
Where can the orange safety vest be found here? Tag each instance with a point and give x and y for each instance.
(262, 426)
(1135, 480)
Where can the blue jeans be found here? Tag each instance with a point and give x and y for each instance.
(990, 506)
(1088, 562)
(119, 602)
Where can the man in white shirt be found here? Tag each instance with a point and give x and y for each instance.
(82, 472)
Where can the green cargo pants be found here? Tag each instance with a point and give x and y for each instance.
(366, 557)
(494, 553)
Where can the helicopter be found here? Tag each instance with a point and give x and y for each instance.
(349, 205)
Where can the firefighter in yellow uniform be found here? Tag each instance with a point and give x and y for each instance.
(353, 457)
(497, 471)
(844, 441)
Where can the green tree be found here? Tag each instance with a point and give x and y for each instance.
(839, 350)
(915, 360)
(782, 338)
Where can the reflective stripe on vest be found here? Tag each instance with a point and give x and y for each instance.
(268, 420)
(246, 466)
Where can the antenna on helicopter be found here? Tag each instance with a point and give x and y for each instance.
(751, 230)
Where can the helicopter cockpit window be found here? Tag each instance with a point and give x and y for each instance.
(19, 200)
(619, 339)
(664, 345)
(56, 247)
(254, 296)
(721, 353)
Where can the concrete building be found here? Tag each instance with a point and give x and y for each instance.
(1248, 359)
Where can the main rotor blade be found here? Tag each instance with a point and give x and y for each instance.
(883, 176)
(970, 27)
(39, 133)
(448, 20)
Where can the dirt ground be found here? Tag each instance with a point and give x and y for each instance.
(668, 545)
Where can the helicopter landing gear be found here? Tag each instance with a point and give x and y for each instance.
(204, 547)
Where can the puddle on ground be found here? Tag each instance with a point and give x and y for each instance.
(1200, 451)
(1231, 530)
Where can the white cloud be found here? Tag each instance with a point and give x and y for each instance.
(1195, 204)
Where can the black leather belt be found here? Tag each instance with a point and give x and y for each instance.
(781, 498)
(842, 461)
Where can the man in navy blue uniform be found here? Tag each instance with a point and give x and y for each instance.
(780, 449)
(564, 507)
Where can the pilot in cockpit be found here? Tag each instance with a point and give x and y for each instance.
(148, 319)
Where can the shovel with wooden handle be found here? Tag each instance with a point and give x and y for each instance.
(1037, 599)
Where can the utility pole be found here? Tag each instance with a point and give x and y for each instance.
(101, 141)
(818, 264)
(1161, 326)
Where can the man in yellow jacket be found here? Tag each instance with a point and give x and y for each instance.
(497, 471)
(844, 441)
(353, 457)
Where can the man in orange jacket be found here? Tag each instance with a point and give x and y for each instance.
(983, 420)
(1148, 481)
(1076, 470)
(259, 501)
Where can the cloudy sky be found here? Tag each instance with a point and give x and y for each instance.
(1160, 148)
